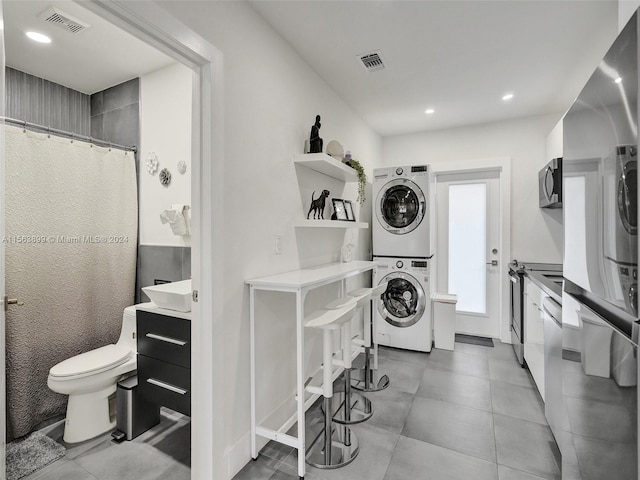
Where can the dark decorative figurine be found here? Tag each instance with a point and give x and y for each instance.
(315, 142)
(317, 205)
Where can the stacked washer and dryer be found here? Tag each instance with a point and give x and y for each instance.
(403, 232)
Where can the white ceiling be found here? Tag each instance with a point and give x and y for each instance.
(95, 59)
(457, 57)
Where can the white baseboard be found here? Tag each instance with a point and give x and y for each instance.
(239, 454)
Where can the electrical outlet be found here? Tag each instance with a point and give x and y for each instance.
(278, 245)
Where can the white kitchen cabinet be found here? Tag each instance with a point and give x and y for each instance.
(534, 332)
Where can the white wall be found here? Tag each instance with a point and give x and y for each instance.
(626, 8)
(271, 97)
(536, 234)
(554, 142)
(165, 128)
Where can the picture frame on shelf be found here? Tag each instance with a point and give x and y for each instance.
(339, 211)
(348, 208)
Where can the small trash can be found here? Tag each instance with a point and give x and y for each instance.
(135, 414)
(444, 320)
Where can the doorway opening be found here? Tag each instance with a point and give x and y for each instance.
(161, 32)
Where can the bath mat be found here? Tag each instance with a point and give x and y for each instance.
(29, 454)
(483, 341)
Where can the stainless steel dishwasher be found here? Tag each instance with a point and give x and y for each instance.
(553, 364)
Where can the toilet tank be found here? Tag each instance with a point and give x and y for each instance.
(128, 332)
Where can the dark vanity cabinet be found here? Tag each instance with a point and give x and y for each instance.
(164, 360)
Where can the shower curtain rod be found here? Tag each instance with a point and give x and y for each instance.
(71, 135)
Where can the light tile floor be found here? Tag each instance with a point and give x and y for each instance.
(163, 452)
(473, 414)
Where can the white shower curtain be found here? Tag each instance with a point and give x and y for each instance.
(71, 241)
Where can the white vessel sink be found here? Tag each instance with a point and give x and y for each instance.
(172, 296)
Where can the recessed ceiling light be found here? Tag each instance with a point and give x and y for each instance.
(618, 80)
(507, 97)
(429, 111)
(38, 37)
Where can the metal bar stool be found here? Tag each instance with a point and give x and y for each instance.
(349, 407)
(335, 445)
(366, 379)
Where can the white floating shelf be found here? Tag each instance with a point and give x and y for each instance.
(330, 224)
(323, 163)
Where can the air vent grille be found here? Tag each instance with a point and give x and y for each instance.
(373, 61)
(64, 20)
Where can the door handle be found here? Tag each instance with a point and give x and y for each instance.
(11, 301)
(162, 338)
(493, 263)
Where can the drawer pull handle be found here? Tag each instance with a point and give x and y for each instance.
(166, 386)
(175, 341)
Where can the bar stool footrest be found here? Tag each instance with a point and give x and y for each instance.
(344, 448)
(361, 408)
(376, 382)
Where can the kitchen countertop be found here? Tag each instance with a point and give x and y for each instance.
(544, 279)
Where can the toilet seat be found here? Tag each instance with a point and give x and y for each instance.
(92, 362)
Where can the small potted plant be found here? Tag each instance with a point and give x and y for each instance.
(362, 177)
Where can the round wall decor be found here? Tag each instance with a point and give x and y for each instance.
(165, 177)
(152, 163)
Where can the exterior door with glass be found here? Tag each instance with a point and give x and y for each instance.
(468, 246)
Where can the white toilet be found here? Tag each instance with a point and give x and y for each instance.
(90, 380)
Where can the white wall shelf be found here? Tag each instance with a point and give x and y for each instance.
(323, 163)
(330, 224)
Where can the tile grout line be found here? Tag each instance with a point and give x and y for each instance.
(493, 422)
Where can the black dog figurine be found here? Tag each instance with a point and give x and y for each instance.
(317, 205)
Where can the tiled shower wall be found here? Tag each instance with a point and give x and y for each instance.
(45, 103)
(115, 114)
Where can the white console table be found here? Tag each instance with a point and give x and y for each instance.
(299, 282)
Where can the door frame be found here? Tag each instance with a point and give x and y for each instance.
(155, 26)
(503, 166)
(3, 376)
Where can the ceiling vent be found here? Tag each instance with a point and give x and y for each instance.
(372, 61)
(64, 20)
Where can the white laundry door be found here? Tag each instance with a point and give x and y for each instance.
(468, 248)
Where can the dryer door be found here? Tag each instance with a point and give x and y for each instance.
(400, 206)
(404, 301)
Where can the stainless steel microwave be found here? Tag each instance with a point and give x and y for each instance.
(550, 184)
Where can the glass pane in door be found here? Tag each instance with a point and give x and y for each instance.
(468, 246)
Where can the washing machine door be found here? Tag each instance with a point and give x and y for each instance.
(400, 206)
(620, 205)
(628, 196)
(404, 301)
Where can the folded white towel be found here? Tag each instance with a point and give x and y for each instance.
(178, 219)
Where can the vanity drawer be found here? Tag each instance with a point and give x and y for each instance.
(165, 384)
(164, 337)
